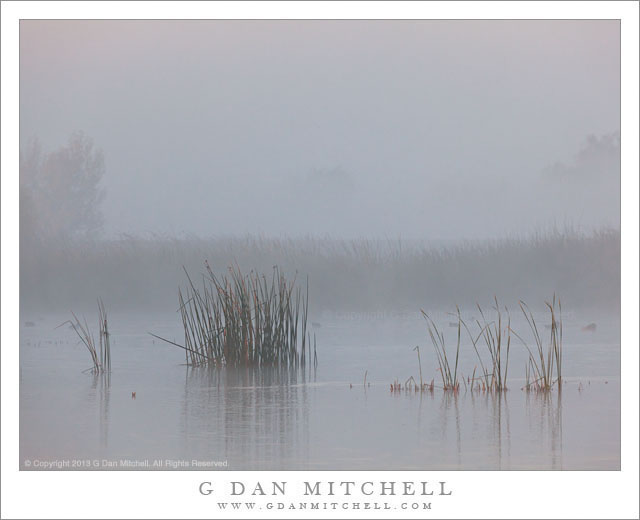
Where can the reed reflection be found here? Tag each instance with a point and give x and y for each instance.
(101, 393)
(471, 419)
(449, 406)
(254, 417)
(544, 413)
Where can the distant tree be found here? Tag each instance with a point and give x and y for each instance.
(60, 193)
(598, 159)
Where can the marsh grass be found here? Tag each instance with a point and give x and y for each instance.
(544, 367)
(245, 320)
(497, 340)
(449, 376)
(417, 349)
(100, 356)
(490, 338)
(104, 338)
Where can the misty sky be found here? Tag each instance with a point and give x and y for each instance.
(416, 129)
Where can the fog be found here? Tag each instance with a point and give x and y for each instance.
(418, 135)
(413, 129)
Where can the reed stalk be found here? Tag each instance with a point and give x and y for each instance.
(104, 337)
(419, 366)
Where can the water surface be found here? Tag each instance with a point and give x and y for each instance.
(325, 418)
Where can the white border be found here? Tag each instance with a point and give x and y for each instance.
(174, 495)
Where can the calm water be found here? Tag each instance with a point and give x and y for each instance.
(312, 419)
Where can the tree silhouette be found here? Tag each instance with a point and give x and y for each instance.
(60, 191)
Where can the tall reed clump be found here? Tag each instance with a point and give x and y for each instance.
(449, 377)
(100, 356)
(497, 340)
(544, 369)
(245, 320)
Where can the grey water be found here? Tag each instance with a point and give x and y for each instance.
(154, 412)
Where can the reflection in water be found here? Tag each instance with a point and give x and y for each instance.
(100, 390)
(470, 419)
(544, 411)
(448, 405)
(501, 430)
(250, 416)
(258, 419)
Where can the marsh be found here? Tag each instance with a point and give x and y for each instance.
(404, 168)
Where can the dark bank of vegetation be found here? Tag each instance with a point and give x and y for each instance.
(359, 275)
